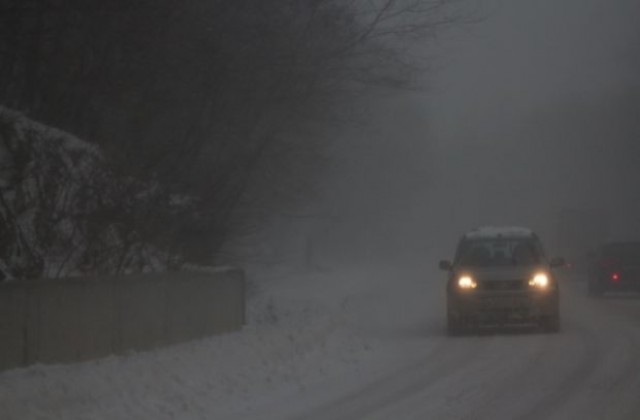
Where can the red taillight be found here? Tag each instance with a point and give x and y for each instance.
(615, 276)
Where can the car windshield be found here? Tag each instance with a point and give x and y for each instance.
(498, 252)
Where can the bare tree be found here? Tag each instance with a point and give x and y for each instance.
(198, 100)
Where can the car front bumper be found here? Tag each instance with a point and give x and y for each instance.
(505, 307)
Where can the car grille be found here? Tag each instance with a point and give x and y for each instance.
(503, 285)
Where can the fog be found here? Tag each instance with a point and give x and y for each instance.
(531, 112)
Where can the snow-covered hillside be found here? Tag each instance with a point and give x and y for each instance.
(65, 211)
(47, 178)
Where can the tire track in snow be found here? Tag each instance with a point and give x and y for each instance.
(414, 377)
(533, 376)
(604, 388)
(588, 362)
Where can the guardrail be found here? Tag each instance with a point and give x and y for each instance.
(58, 321)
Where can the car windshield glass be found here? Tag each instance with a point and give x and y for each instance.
(623, 251)
(498, 252)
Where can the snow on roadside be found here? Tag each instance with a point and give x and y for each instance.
(300, 334)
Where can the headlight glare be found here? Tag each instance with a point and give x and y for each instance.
(540, 281)
(467, 282)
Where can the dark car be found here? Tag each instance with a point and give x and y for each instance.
(501, 276)
(615, 267)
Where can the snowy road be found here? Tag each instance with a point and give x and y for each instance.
(359, 343)
(589, 371)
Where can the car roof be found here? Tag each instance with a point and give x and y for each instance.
(488, 232)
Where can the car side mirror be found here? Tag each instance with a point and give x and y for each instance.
(445, 265)
(557, 262)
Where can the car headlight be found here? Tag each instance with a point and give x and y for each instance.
(467, 282)
(539, 281)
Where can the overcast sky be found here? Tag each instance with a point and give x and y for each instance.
(525, 117)
(506, 111)
(530, 53)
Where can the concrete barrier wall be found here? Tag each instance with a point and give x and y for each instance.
(51, 321)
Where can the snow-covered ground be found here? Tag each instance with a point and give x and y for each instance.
(354, 343)
(305, 330)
